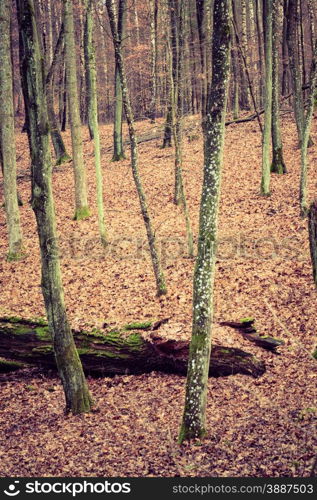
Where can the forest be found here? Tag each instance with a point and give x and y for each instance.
(158, 249)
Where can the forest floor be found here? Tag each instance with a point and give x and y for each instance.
(262, 427)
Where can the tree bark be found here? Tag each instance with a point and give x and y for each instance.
(7, 137)
(118, 352)
(153, 4)
(278, 165)
(292, 39)
(312, 231)
(81, 202)
(266, 166)
(193, 424)
(92, 107)
(76, 391)
(118, 150)
(156, 262)
(57, 140)
(307, 121)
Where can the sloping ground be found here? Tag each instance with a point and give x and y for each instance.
(264, 427)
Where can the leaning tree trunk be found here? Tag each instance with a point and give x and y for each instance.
(157, 267)
(266, 166)
(7, 136)
(77, 395)
(193, 424)
(127, 350)
(92, 107)
(81, 203)
(278, 166)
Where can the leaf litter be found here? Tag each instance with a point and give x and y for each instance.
(264, 427)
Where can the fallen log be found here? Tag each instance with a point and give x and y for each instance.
(125, 351)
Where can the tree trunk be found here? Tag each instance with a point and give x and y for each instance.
(57, 140)
(118, 150)
(278, 166)
(81, 202)
(69, 366)
(157, 267)
(294, 67)
(193, 424)
(312, 230)
(260, 51)
(235, 76)
(245, 49)
(7, 136)
(153, 40)
(176, 74)
(266, 166)
(306, 134)
(118, 352)
(92, 107)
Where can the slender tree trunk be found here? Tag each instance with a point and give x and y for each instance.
(266, 166)
(260, 49)
(153, 40)
(92, 106)
(77, 395)
(294, 67)
(7, 136)
(306, 134)
(158, 271)
(81, 201)
(200, 13)
(278, 166)
(286, 76)
(312, 232)
(235, 75)
(118, 150)
(245, 48)
(57, 140)
(193, 424)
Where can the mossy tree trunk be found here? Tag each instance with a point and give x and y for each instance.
(266, 165)
(118, 149)
(7, 136)
(278, 165)
(77, 395)
(92, 107)
(193, 424)
(81, 202)
(156, 262)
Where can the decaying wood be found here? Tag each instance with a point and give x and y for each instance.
(106, 353)
(246, 328)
